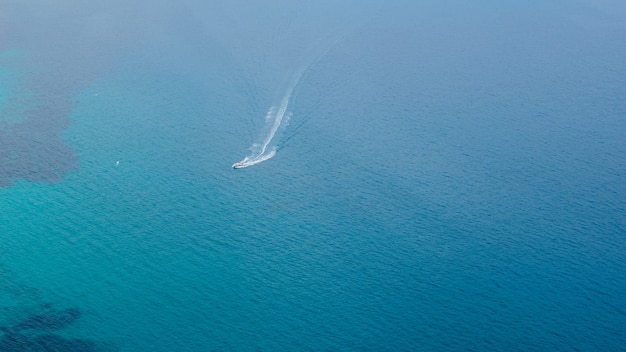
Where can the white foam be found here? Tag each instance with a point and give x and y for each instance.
(249, 161)
(278, 117)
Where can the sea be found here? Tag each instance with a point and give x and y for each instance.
(409, 175)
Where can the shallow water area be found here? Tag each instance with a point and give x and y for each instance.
(434, 177)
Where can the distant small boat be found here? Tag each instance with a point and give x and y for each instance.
(239, 165)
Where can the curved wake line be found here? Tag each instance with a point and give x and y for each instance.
(249, 161)
(265, 150)
(260, 152)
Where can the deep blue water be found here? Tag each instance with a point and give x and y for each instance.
(448, 176)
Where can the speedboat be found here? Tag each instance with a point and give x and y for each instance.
(239, 165)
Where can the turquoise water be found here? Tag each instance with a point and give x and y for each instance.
(450, 177)
(4, 93)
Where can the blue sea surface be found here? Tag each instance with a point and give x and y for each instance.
(448, 176)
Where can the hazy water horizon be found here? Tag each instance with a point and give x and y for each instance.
(433, 176)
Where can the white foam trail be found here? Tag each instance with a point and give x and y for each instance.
(249, 161)
(260, 152)
(269, 114)
(279, 116)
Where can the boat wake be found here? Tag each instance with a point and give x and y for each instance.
(277, 117)
(249, 160)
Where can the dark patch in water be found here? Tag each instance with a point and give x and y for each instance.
(55, 320)
(34, 333)
(60, 62)
(32, 149)
(45, 342)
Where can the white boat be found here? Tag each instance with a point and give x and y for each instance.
(239, 165)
